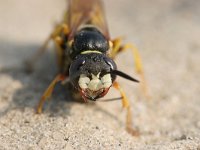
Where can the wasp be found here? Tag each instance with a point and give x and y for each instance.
(85, 54)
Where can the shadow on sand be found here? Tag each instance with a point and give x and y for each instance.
(34, 84)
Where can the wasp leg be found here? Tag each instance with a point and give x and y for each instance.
(126, 104)
(118, 47)
(55, 35)
(48, 92)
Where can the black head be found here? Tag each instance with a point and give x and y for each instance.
(90, 74)
(89, 38)
(93, 74)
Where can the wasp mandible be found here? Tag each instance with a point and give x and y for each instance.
(85, 54)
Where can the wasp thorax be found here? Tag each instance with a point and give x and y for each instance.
(96, 82)
(89, 38)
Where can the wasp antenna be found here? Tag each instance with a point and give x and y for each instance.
(123, 75)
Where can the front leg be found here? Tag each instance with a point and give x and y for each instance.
(48, 92)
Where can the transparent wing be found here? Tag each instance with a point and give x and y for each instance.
(86, 12)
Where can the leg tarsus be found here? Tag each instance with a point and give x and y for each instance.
(126, 104)
(129, 127)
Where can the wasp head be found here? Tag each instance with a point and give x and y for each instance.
(91, 75)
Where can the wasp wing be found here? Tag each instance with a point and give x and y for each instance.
(86, 12)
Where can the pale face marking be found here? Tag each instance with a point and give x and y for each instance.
(83, 81)
(96, 83)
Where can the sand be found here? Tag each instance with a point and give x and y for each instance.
(167, 34)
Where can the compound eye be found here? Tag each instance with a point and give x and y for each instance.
(75, 65)
(111, 63)
(112, 66)
(74, 70)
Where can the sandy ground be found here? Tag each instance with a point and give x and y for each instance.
(167, 33)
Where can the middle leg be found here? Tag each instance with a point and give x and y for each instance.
(126, 105)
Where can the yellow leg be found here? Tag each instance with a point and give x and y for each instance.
(125, 104)
(48, 92)
(59, 51)
(118, 47)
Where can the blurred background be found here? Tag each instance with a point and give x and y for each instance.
(167, 34)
